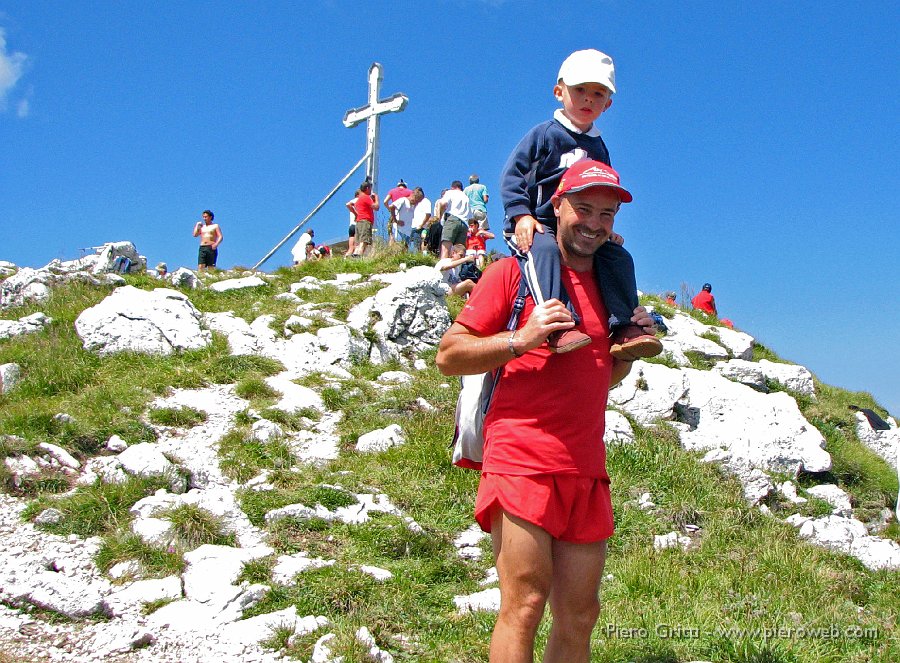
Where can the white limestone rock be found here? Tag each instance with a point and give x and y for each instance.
(288, 566)
(650, 392)
(618, 429)
(487, 600)
(381, 575)
(29, 324)
(265, 431)
(120, 642)
(467, 542)
(105, 468)
(10, 376)
(885, 443)
(789, 491)
(145, 460)
(21, 467)
(62, 456)
(408, 316)
(796, 378)
(375, 652)
(49, 517)
(116, 444)
(381, 439)
(161, 321)
(184, 278)
(671, 540)
(68, 596)
(765, 430)
(237, 284)
(294, 397)
(836, 497)
(211, 573)
(745, 372)
(395, 377)
(132, 597)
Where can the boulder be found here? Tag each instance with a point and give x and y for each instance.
(885, 443)
(381, 439)
(836, 497)
(145, 460)
(161, 321)
(184, 278)
(70, 597)
(28, 324)
(796, 378)
(765, 430)
(618, 429)
(237, 284)
(650, 392)
(407, 317)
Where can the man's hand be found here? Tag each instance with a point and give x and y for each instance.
(642, 319)
(526, 225)
(616, 238)
(545, 319)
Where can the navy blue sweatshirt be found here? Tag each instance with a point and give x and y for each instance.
(533, 170)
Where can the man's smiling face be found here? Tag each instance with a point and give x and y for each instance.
(585, 223)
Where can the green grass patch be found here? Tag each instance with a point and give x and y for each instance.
(123, 546)
(242, 458)
(181, 417)
(194, 527)
(97, 509)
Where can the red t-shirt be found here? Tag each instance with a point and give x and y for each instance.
(549, 411)
(705, 302)
(365, 208)
(399, 192)
(475, 241)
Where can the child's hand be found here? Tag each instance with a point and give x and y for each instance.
(616, 238)
(525, 228)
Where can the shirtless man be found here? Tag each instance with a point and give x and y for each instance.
(210, 237)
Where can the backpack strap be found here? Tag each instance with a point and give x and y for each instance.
(518, 305)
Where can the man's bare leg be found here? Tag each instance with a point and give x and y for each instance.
(446, 247)
(574, 600)
(522, 552)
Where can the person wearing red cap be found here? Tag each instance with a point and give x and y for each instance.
(585, 85)
(544, 489)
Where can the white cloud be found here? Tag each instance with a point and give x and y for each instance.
(22, 108)
(12, 66)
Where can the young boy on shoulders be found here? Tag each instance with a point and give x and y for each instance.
(584, 87)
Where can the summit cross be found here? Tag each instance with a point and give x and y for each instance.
(372, 113)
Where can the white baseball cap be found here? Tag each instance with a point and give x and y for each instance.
(588, 66)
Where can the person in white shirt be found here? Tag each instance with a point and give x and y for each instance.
(403, 211)
(300, 248)
(421, 218)
(456, 204)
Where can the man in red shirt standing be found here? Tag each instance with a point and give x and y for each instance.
(704, 301)
(544, 490)
(365, 206)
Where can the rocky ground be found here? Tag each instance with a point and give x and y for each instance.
(727, 413)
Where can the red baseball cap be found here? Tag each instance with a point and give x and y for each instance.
(585, 174)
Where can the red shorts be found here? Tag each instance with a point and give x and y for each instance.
(568, 507)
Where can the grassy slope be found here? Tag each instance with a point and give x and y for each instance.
(743, 572)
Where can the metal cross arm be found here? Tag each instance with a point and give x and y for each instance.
(393, 104)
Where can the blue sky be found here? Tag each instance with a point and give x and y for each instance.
(760, 139)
